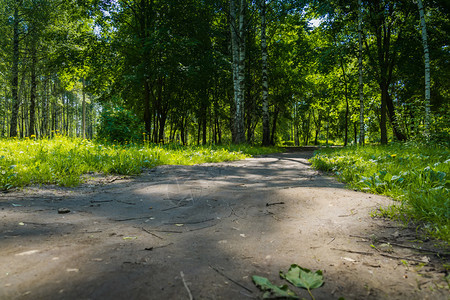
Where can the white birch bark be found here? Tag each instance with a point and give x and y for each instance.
(427, 66)
(238, 53)
(265, 84)
(83, 112)
(361, 85)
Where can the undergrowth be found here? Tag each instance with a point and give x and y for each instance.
(62, 160)
(416, 175)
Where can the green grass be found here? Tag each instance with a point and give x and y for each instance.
(415, 175)
(63, 160)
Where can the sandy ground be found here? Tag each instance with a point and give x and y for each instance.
(205, 230)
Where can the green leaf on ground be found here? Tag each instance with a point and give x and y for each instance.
(273, 291)
(303, 278)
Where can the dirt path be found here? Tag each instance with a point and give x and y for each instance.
(218, 224)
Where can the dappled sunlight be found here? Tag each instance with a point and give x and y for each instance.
(219, 224)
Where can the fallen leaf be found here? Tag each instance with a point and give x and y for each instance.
(272, 291)
(303, 278)
(179, 225)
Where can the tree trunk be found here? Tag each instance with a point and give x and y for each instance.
(204, 130)
(427, 67)
(147, 111)
(360, 68)
(162, 126)
(44, 117)
(182, 131)
(383, 128)
(296, 124)
(346, 104)
(238, 53)
(265, 77)
(386, 61)
(83, 111)
(274, 125)
(33, 88)
(328, 128)
(15, 73)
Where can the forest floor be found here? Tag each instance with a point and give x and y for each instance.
(205, 230)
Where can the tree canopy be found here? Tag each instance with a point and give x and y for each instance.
(219, 71)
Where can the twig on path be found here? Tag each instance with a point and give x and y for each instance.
(185, 285)
(195, 229)
(230, 279)
(192, 222)
(100, 201)
(130, 203)
(331, 241)
(113, 179)
(157, 247)
(170, 231)
(275, 203)
(130, 219)
(38, 224)
(359, 236)
(351, 251)
(403, 258)
(405, 246)
(414, 248)
(149, 232)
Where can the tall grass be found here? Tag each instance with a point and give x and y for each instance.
(62, 160)
(415, 175)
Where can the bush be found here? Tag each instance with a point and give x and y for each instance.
(120, 126)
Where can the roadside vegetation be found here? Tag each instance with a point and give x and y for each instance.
(416, 175)
(63, 161)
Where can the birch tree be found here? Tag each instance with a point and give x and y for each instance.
(265, 84)
(15, 71)
(237, 28)
(427, 65)
(360, 69)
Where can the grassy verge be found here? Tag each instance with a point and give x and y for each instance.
(63, 160)
(415, 175)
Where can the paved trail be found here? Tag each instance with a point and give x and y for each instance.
(217, 224)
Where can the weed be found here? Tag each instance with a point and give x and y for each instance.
(416, 175)
(62, 160)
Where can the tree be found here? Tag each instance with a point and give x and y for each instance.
(238, 29)
(387, 28)
(265, 85)
(427, 66)
(360, 78)
(15, 69)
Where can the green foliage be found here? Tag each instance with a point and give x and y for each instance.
(119, 125)
(272, 291)
(297, 276)
(63, 160)
(414, 174)
(303, 278)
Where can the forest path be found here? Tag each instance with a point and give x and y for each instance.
(217, 224)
